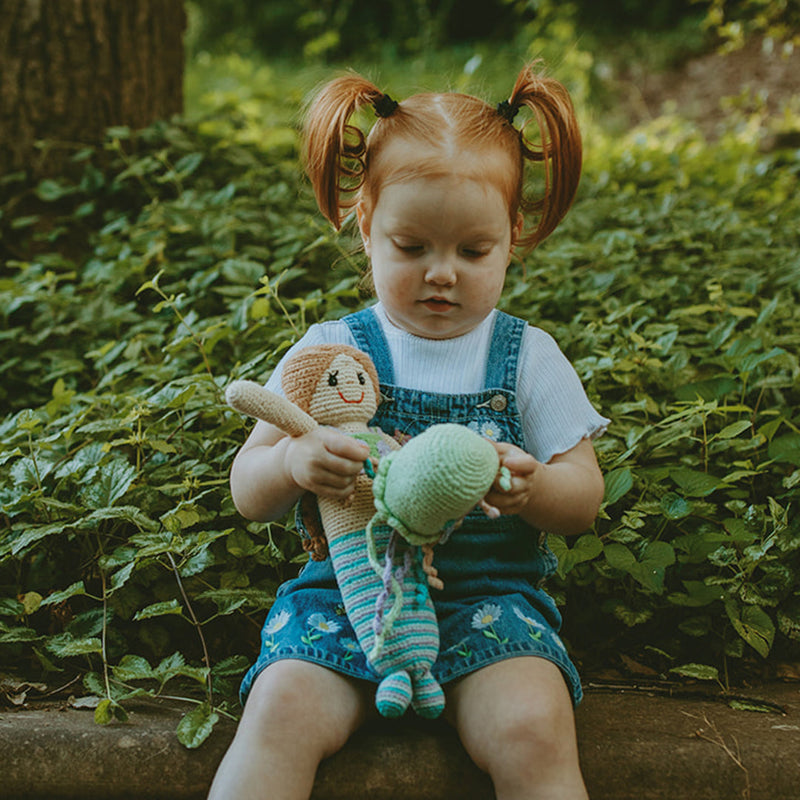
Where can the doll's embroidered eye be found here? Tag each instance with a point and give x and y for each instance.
(333, 380)
(361, 379)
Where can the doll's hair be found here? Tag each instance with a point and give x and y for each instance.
(302, 372)
(346, 167)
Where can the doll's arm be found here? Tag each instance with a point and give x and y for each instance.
(254, 400)
(390, 442)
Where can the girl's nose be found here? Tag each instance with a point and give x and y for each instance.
(441, 273)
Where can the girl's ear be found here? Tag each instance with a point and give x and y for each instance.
(364, 221)
(516, 231)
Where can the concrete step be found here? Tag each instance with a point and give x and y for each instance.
(635, 745)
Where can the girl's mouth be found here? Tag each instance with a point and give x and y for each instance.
(438, 304)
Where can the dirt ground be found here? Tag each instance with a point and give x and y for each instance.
(760, 75)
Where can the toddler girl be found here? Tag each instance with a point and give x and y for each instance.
(437, 188)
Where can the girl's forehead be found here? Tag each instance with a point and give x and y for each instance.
(401, 161)
(401, 156)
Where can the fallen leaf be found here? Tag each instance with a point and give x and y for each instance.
(788, 672)
(635, 667)
(89, 701)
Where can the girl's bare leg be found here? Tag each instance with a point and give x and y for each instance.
(297, 713)
(516, 721)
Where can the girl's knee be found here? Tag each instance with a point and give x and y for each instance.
(517, 717)
(296, 703)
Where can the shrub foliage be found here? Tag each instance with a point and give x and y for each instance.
(179, 259)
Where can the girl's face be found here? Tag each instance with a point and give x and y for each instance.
(439, 249)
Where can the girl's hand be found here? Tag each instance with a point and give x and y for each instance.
(522, 467)
(325, 462)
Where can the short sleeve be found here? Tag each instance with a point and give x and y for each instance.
(332, 332)
(556, 413)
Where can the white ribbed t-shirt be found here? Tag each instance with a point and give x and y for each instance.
(556, 414)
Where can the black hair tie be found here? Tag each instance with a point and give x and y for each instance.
(384, 106)
(507, 111)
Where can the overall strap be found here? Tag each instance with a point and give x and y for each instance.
(501, 367)
(369, 337)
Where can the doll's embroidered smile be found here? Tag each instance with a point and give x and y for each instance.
(350, 401)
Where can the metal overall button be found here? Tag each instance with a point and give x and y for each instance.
(498, 402)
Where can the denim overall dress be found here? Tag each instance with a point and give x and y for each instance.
(492, 606)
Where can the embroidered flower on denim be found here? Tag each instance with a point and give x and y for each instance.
(484, 618)
(351, 646)
(486, 429)
(319, 623)
(319, 626)
(535, 628)
(277, 623)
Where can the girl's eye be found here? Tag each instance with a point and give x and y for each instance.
(409, 249)
(361, 378)
(333, 380)
(471, 252)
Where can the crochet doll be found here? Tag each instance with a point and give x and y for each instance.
(419, 494)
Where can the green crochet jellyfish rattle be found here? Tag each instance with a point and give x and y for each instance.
(423, 492)
(380, 538)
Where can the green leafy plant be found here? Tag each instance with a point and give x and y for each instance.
(187, 255)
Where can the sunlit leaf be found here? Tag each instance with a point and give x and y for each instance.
(196, 726)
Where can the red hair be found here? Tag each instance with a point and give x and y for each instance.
(346, 167)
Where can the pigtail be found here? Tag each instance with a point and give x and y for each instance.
(333, 149)
(559, 148)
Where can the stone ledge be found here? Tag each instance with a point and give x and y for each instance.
(634, 746)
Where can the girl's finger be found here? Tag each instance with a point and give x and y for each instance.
(520, 463)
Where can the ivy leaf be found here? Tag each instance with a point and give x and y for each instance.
(126, 513)
(734, 429)
(133, 668)
(9, 635)
(789, 621)
(34, 534)
(618, 483)
(697, 594)
(786, 449)
(233, 666)
(674, 506)
(175, 665)
(108, 710)
(584, 549)
(649, 569)
(50, 190)
(239, 545)
(104, 713)
(159, 610)
(121, 576)
(700, 672)
(196, 726)
(10, 607)
(64, 645)
(694, 482)
(110, 485)
(753, 625)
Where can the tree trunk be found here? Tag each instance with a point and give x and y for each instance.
(71, 68)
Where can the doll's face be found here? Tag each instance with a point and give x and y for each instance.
(344, 393)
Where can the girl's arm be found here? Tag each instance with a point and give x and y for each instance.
(272, 470)
(561, 496)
